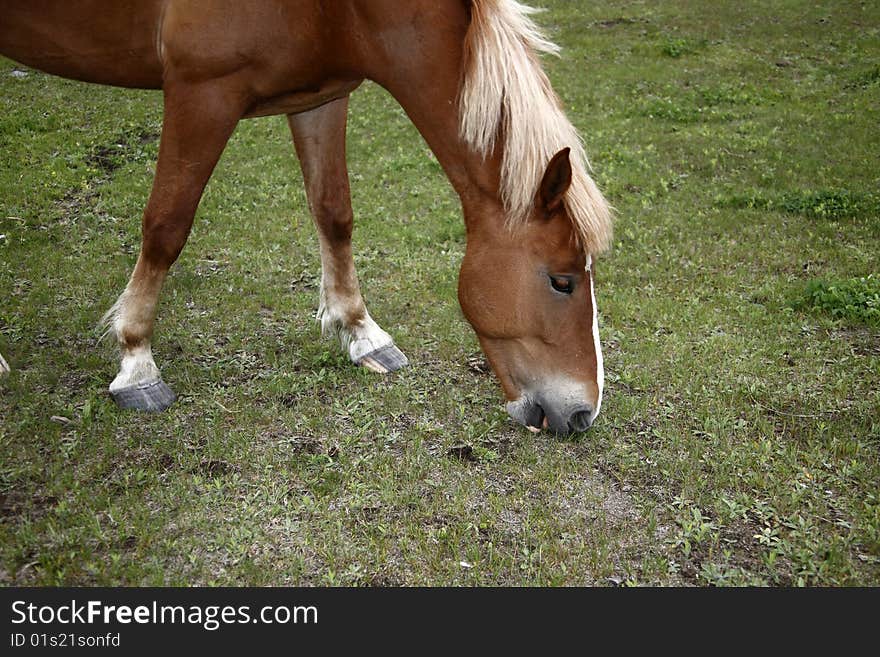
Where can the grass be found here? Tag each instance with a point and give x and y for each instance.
(855, 299)
(738, 441)
(821, 204)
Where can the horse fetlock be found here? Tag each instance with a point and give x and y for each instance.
(138, 386)
(136, 368)
(364, 337)
(357, 332)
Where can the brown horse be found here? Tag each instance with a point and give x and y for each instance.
(467, 74)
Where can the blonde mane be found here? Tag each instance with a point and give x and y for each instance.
(506, 93)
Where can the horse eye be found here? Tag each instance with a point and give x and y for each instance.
(561, 284)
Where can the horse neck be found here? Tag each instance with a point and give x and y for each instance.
(417, 55)
(476, 179)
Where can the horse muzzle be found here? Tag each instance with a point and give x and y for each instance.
(562, 417)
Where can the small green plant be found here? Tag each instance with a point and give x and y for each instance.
(822, 204)
(828, 204)
(678, 110)
(856, 299)
(865, 79)
(675, 48)
(694, 527)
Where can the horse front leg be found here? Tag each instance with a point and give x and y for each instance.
(197, 124)
(319, 137)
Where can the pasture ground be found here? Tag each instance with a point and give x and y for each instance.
(739, 437)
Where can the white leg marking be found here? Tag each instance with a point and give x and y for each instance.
(359, 339)
(4, 366)
(366, 338)
(137, 367)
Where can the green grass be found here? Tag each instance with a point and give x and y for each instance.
(821, 204)
(738, 441)
(856, 299)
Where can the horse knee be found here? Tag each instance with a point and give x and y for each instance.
(334, 217)
(164, 240)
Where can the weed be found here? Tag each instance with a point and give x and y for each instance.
(854, 299)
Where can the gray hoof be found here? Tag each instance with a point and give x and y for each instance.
(384, 360)
(151, 396)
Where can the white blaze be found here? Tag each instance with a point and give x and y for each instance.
(600, 365)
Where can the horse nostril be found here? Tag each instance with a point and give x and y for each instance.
(580, 420)
(535, 417)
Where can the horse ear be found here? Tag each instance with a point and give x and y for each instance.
(556, 181)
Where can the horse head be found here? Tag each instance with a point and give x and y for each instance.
(528, 293)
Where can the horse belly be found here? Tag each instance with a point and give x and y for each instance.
(295, 102)
(104, 41)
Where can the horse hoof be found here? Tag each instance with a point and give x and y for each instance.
(151, 396)
(384, 360)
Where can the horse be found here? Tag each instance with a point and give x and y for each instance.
(468, 75)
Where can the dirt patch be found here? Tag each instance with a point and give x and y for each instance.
(214, 468)
(614, 22)
(305, 280)
(289, 442)
(590, 499)
(14, 504)
(478, 364)
(288, 400)
(862, 340)
(106, 159)
(128, 146)
(462, 453)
